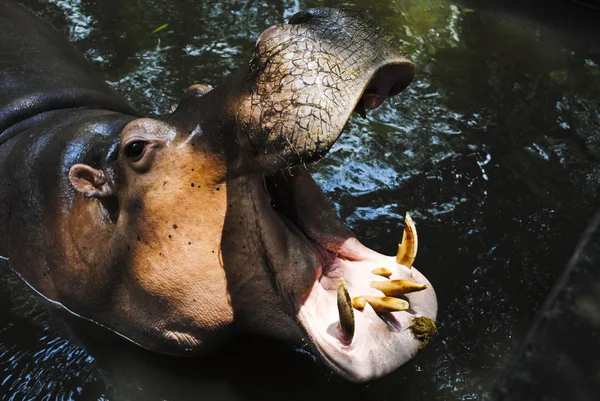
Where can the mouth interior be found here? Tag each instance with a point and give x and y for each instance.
(387, 82)
(380, 341)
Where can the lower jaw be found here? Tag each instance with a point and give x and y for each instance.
(381, 341)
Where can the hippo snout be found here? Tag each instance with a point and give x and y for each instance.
(306, 78)
(289, 105)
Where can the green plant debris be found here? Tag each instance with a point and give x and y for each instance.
(160, 28)
(423, 329)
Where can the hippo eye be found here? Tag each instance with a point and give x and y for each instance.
(135, 150)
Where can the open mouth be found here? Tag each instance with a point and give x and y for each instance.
(366, 313)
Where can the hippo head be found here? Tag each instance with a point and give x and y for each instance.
(219, 229)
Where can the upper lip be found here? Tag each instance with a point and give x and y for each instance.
(344, 74)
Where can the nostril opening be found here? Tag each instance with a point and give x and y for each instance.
(300, 18)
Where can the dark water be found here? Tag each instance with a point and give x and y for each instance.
(494, 149)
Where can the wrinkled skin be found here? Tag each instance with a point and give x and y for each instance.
(178, 234)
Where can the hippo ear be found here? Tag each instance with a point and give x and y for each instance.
(90, 182)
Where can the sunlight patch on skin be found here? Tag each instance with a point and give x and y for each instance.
(60, 305)
(195, 132)
(184, 339)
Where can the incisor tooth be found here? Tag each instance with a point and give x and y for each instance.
(407, 250)
(382, 271)
(393, 288)
(382, 304)
(345, 309)
(359, 303)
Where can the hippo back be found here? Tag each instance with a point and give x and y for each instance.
(41, 71)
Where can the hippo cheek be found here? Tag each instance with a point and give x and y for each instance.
(171, 294)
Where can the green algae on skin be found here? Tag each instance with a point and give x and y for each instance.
(423, 328)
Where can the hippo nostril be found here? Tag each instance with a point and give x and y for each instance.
(300, 18)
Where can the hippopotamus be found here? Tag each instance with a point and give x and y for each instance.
(183, 232)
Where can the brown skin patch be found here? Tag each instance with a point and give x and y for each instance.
(151, 289)
(163, 287)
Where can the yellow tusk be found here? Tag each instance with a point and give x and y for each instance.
(393, 288)
(407, 250)
(386, 304)
(345, 309)
(359, 303)
(382, 271)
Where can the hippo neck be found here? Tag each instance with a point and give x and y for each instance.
(27, 123)
(36, 162)
(40, 71)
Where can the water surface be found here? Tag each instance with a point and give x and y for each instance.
(493, 149)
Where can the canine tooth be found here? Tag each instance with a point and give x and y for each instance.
(407, 250)
(393, 288)
(345, 309)
(386, 304)
(382, 271)
(359, 303)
